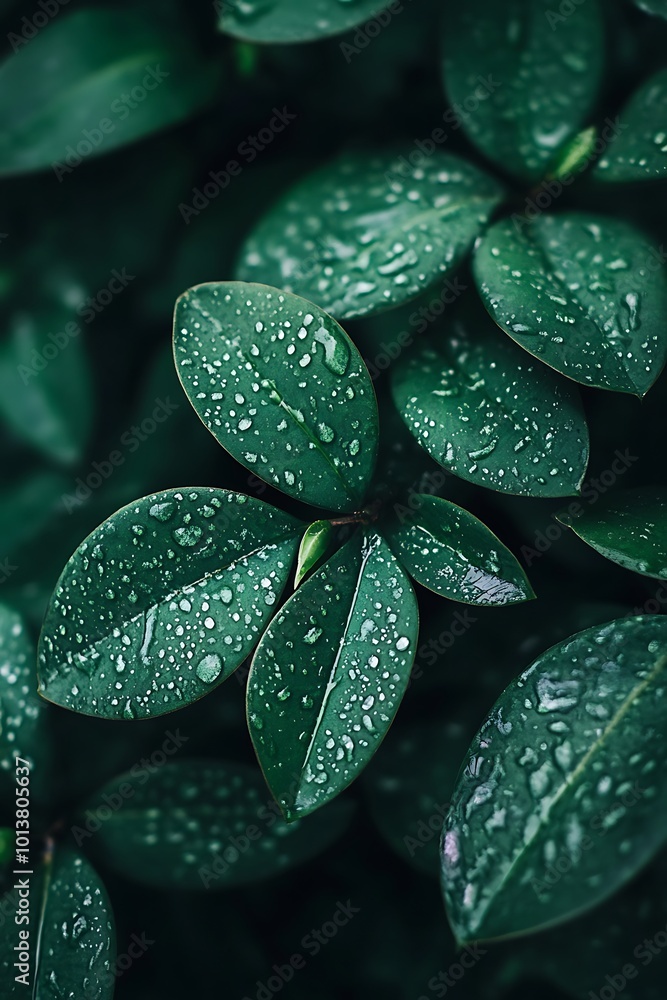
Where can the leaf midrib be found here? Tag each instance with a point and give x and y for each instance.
(174, 593)
(331, 683)
(551, 270)
(570, 780)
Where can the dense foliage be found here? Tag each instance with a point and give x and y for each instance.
(332, 417)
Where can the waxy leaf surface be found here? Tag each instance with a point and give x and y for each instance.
(448, 550)
(369, 232)
(639, 151)
(282, 387)
(72, 944)
(163, 601)
(585, 294)
(522, 77)
(630, 528)
(330, 672)
(488, 413)
(563, 797)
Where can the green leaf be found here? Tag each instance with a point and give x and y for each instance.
(330, 672)
(368, 232)
(482, 409)
(7, 838)
(630, 528)
(313, 548)
(163, 601)
(583, 293)
(72, 940)
(448, 550)
(409, 785)
(576, 154)
(94, 80)
(46, 393)
(564, 794)
(639, 151)
(282, 387)
(24, 728)
(289, 21)
(200, 824)
(522, 77)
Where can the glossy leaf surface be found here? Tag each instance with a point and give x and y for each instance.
(639, 151)
(488, 413)
(163, 601)
(282, 387)
(330, 672)
(585, 294)
(563, 797)
(630, 528)
(522, 76)
(313, 548)
(369, 232)
(448, 550)
(72, 942)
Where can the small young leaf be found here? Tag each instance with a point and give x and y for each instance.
(585, 294)
(64, 96)
(576, 154)
(163, 601)
(568, 775)
(282, 387)
(522, 77)
(630, 528)
(447, 549)
(314, 547)
(368, 232)
(72, 944)
(199, 824)
(46, 394)
(330, 672)
(639, 151)
(290, 21)
(483, 409)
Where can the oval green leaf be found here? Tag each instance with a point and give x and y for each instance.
(199, 824)
(563, 797)
(163, 601)
(522, 77)
(92, 81)
(639, 151)
(630, 528)
(330, 672)
(282, 387)
(448, 550)
(368, 232)
(290, 21)
(585, 294)
(484, 410)
(313, 548)
(72, 942)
